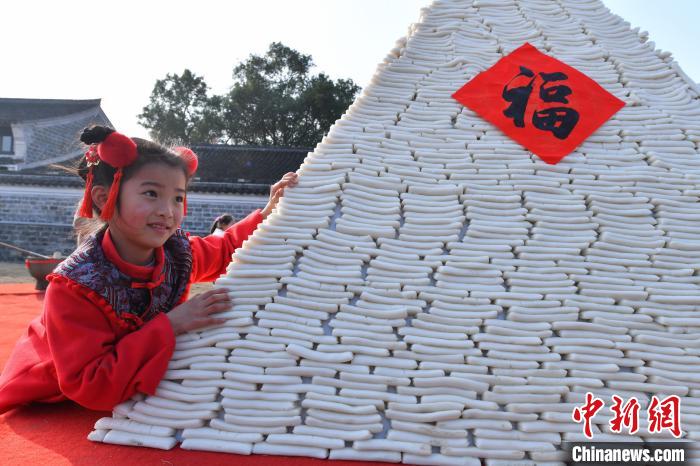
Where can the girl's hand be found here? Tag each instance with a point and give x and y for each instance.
(277, 190)
(196, 312)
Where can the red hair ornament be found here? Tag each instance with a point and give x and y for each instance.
(190, 158)
(192, 162)
(118, 151)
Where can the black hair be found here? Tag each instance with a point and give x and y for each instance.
(148, 152)
(224, 219)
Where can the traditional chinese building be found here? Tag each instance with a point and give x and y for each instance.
(37, 132)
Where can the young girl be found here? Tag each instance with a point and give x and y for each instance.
(113, 308)
(221, 224)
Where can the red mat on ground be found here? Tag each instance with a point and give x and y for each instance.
(55, 434)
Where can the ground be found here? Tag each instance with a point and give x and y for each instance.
(16, 272)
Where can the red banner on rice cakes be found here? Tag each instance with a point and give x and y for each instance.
(540, 102)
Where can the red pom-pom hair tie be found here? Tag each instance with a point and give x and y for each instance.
(191, 162)
(118, 151)
(190, 158)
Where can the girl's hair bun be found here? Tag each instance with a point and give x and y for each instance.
(95, 134)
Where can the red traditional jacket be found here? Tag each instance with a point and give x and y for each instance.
(87, 347)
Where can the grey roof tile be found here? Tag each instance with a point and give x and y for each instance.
(49, 141)
(19, 110)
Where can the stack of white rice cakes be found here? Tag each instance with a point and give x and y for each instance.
(433, 293)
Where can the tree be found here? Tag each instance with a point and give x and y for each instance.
(181, 112)
(322, 102)
(274, 100)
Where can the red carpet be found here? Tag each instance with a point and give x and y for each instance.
(55, 434)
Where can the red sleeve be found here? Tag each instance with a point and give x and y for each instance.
(94, 366)
(212, 254)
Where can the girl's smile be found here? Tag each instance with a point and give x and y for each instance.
(160, 227)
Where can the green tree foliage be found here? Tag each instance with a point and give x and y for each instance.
(181, 112)
(274, 100)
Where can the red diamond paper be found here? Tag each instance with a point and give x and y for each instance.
(540, 102)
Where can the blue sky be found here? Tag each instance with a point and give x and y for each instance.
(672, 25)
(81, 49)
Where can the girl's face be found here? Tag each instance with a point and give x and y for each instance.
(150, 210)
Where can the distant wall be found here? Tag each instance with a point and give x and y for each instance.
(40, 218)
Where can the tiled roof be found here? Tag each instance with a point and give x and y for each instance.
(47, 130)
(18, 110)
(222, 169)
(50, 140)
(220, 163)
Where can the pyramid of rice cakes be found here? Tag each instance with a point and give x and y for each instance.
(434, 293)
